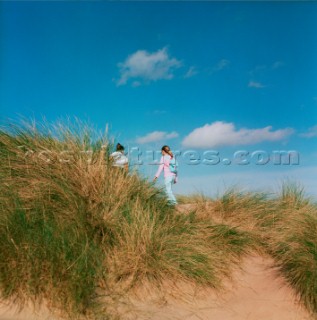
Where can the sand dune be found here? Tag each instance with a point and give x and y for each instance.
(256, 293)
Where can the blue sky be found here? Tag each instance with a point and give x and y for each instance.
(223, 76)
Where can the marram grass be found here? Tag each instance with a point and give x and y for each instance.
(73, 229)
(283, 225)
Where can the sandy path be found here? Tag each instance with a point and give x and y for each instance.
(256, 293)
(11, 312)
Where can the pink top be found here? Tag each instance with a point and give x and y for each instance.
(165, 165)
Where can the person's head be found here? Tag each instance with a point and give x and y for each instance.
(119, 147)
(166, 150)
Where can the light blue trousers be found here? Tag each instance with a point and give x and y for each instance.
(169, 181)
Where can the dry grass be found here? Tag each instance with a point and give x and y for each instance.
(74, 229)
(283, 225)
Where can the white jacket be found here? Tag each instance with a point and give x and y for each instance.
(119, 159)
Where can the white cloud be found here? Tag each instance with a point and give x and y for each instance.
(222, 64)
(221, 133)
(312, 132)
(191, 72)
(254, 84)
(146, 66)
(157, 136)
(262, 68)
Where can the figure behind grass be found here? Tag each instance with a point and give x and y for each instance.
(120, 160)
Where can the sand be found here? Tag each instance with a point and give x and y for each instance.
(12, 312)
(256, 292)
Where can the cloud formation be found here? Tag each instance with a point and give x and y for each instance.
(312, 132)
(191, 72)
(263, 68)
(145, 66)
(221, 133)
(156, 136)
(261, 71)
(254, 84)
(223, 63)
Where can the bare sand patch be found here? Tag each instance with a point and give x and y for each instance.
(10, 311)
(257, 292)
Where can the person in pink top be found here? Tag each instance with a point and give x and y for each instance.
(169, 177)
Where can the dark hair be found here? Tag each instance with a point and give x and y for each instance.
(167, 149)
(119, 147)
